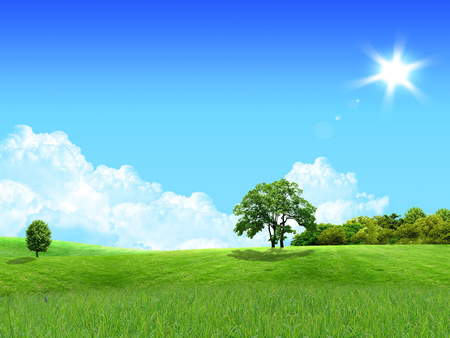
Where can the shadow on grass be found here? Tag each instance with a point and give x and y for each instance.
(21, 260)
(271, 255)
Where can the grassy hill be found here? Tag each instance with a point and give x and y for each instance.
(71, 266)
(325, 291)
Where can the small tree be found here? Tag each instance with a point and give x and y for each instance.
(38, 237)
(333, 236)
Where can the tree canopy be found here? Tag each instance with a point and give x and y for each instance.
(389, 222)
(415, 228)
(444, 213)
(38, 237)
(272, 205)
(413, 214)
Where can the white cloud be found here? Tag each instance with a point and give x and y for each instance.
(45, 176)
(334, 194)
(16, 202)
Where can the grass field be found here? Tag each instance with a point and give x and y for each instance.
(324, 291)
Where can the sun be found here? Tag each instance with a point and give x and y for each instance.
(394, 72)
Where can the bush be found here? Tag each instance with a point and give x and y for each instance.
(410, 231)
(351, 228)
(360, 237)
(372, 233)
(305, 238)
(332, 236)
(388, 236)
(308, 238)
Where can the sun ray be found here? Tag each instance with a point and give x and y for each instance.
(393, 72)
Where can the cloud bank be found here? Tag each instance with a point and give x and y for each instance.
(45, 176)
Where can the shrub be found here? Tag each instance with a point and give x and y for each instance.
(332, 236)
(410, 231)
(388, 236)
(352, 228)
(305, 238)
(372, 233)
(308, 238)
(360, 237)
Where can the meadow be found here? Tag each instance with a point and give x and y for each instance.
(315, 291)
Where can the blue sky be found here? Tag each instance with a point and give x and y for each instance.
(201, 97)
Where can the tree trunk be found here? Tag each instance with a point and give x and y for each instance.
(281, 242)
(37, 254)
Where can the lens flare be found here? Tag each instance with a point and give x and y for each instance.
(393, 72)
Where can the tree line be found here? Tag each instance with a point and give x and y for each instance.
(414, 228)
(272, 205)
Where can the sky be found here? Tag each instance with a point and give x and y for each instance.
(142, 124)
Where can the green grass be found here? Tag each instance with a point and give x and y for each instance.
(324, 291)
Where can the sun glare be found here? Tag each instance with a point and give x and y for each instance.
(393, 73)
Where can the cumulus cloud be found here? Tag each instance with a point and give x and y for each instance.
(334, 194)
(45, 176)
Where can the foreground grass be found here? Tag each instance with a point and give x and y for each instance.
(326, 291)
(276, 310)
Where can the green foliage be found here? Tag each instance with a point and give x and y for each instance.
(389, 222)
(444, 213)
(413, 214)
(360, 220)
(310, 238)
(428, 223)
(367, 235)
(305, 238)
(351, 228)
(372, 232)
(267, 204)
(442, 233)
(388, 236)
(38, 237)
(333, 236)
(359, 237)
(433, 230)
(409, 232)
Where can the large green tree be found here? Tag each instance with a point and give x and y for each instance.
(272, 205)
(38, 237)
